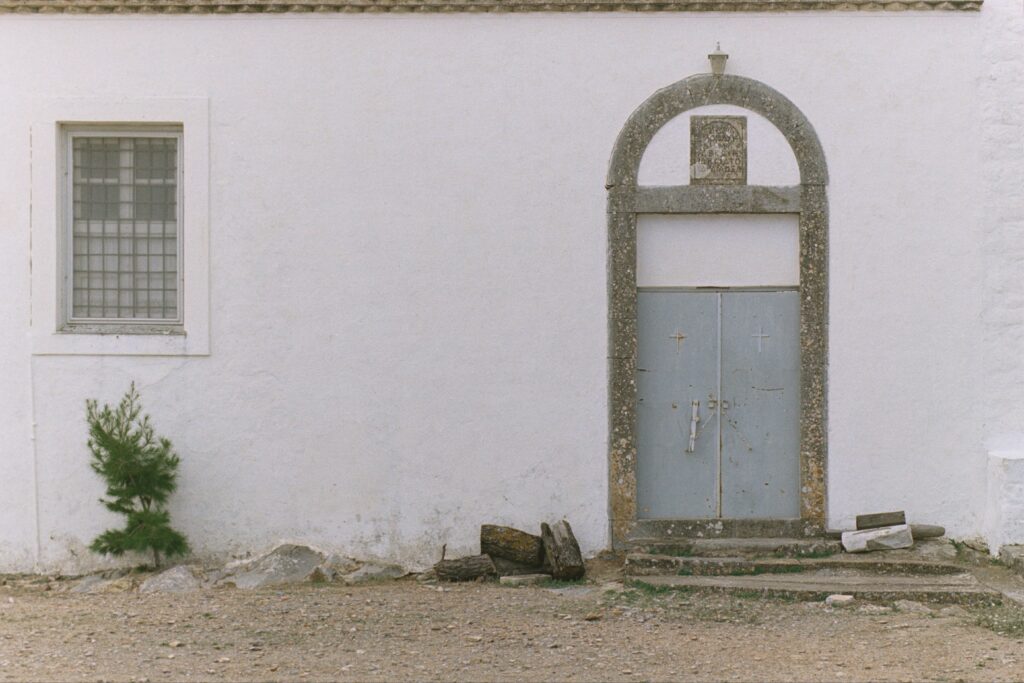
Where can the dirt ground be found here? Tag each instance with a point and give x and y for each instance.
(404, 630)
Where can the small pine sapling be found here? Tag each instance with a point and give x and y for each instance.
(140, 470)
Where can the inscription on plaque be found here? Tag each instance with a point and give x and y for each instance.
(718, 150)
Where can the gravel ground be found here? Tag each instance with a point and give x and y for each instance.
(404, 630)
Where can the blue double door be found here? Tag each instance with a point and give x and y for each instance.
(718, 404)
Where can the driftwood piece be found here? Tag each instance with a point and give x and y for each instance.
(561, 551)
(880, 519)
(464, 568)
(511, 544)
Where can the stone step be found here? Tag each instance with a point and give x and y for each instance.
(819, 584)
(740, 547)
(644, 564)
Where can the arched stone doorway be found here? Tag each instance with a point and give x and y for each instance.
(626, 201)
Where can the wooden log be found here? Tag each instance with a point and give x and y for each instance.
(561, 551)
(511, 544)
(465, 568)
(879, 519)
(919, 531)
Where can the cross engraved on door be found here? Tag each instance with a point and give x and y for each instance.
(760, 337)
(679, 337)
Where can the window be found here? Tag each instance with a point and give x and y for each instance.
(120, 233)
(123, 230)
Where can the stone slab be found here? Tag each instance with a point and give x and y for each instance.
(885, 538)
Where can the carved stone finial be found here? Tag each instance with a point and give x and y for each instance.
(718, 59)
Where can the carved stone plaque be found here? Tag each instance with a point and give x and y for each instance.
(718, 150)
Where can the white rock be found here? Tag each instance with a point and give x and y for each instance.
(180, 579)
(884, 538)
(284, 564)
(524, 579)
(839, 600)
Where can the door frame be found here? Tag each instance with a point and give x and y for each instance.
(626, 200)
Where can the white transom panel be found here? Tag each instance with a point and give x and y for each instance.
(718, 250)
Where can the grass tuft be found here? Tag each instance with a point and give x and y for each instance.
(1006, 621)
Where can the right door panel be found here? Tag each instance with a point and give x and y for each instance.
(761, 405)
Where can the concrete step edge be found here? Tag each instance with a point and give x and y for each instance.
(819, 590)
(647, 563)
(730, 547)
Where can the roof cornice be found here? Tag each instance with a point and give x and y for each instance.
(469, 6)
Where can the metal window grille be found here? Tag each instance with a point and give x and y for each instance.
(124, 227)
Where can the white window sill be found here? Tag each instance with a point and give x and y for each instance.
(84, 344)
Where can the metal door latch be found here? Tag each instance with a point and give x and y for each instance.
(694, 419)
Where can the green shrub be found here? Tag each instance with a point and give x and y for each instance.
(140, 470)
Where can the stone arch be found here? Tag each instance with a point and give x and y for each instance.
(627, 199)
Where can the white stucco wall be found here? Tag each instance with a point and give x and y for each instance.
(1002, 117)
(407, 287)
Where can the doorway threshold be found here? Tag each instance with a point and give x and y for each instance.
(661, 530)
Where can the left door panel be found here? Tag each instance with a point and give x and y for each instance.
(677, 364)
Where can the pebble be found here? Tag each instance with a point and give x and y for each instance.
(839, 600)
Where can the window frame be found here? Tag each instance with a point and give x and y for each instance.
(69, 323)
(43, 120)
